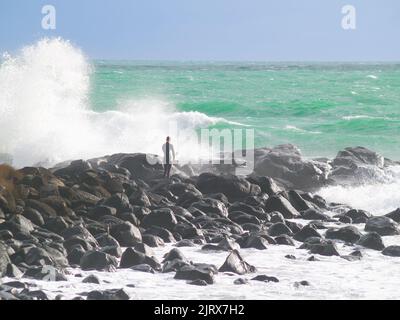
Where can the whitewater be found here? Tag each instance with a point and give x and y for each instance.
(47, 116)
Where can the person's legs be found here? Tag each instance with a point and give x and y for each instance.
(165, 169)
(169, 166)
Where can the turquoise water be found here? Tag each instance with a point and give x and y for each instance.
(322, 108)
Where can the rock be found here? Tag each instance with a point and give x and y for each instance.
(345, 219)
(34, 216)
(305, 233)
(324, 249)
(143, 268)
(241, 281)
(36, 256)
(394, 215)
(153, 240)
(198, 282)
(372, 240)
(56, 224)
(348, 234)
(265, 278)
(382, 225)
(91, 279)
(101, 211)
(126, 234)
(277, 217)
(224, 245)
(131, 258)
(301, 284)
(278, 229)
(298, 202)
(97, 260)
(286, 163)
(45, 273)
(13, 271)
(314, 214)
(162, 233)
(232, 186)
(191, 272)
(185, 243)
(354, 256)
(4, 260)
(312, 258)
(282, 205)
(290, 257)
(358, 216)
(113, 294)
(164, 218)
(140, 198)
(256, 242)
(235, 263)
(211, 206)
(115, 251)
(392, 251)
(284, 240)
(174, 254)
(119, 201)
(44, 209)
(267, 184)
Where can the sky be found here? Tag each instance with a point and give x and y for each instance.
(203, 30)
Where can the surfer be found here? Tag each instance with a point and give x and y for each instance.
(168, 149)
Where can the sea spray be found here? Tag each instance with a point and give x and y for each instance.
(46, 116)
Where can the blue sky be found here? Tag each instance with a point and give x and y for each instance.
(279, 30)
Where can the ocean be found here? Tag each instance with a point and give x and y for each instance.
(56, 104)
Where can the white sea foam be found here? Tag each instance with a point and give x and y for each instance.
(45, 115)
(294, 128)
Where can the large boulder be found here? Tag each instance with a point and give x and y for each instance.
(286, 164)
(282, 205)
(132, 257)
(126, 234)
(372, 240)
(358, 216)
(394, 215)
(392, 251)
(305, 233)
(97, 260)
(235, 263)
(233, 187)
(112, 294)
(382, 225)
(211, 206)
(193, 273)
(348, 234)
(164, 218)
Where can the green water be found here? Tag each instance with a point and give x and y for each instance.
(321, 108)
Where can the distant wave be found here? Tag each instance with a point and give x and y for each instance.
(45, 116)
(371, 76)
(294, 128)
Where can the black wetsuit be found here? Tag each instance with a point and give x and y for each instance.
(167, 164)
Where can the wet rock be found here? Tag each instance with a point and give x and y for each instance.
(314, 214)
(394, 215)
(277, 217)
(235, 263)
(211, 206)
(265, 278)
(185, 243)
(382, 225)
(198, 282)
(97, 260)
(153, 240)
(162, 233)
(254, 241)
(358, 216)
(290, 257)
(324, 249)
(348, 234)
(164, 218)
(267, 184)
(345, 219)
(193, 273)
(45, 273)
(241, 281)
(301, 284)
(305, 233)
(126, 234)
(34, 216)
(282, 205)
(143, 268)
(372, 240)
(4, 260)
(354, 256)
(174, 254)
(91, 279)
(392, 251)
(284, 240)
(298, 202)
(112, 294)
(131, 258)
(101, 211)
(278, 229)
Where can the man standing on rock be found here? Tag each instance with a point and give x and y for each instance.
(168, 149)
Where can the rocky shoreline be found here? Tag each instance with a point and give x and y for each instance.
(111, 213)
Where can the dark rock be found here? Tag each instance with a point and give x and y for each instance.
(91, 279)
(235, 263)
(45, 273)
(324, 249)
(153, 240)
(126, 234)
(267, 184)
(282, 205)
(290, 257)
(34, 216)
(256, 242)
(191, 272)
(265, 278)
(392, 251)
(394, 215)
(284, 240)
(305, 233)
(185, 243)
(113, 294)
(372, 240)
(277, 217)
(278, 229)
(143, 268)
(348, 234)
(115, 251)
(358, 216)
(241, 281)
(97, 260)
(164, 218)
(174, 254)
(345, 219)
(211, 206)
(131, 258)
(312, 258)
(198, 282)
(163, 233)
(101, 211)
(314, 214)
(298, 202)
(382, 225)
(301, 284)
